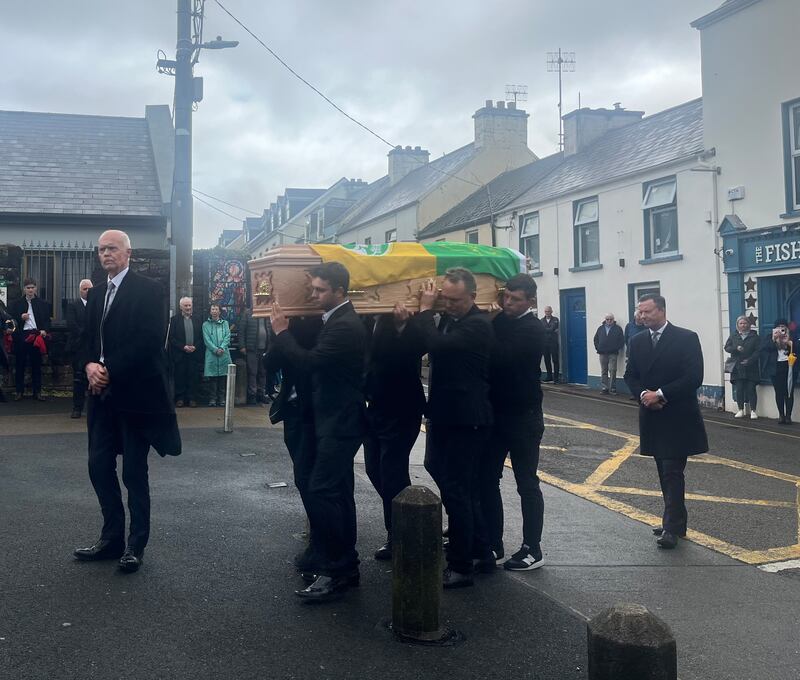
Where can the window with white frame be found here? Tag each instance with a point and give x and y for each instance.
(472, 236)
(792, 155)
(529, 239)
(660, 218)
(391, 236)
(587, 232)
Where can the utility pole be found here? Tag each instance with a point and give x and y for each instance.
(562, 62)
(188, 92)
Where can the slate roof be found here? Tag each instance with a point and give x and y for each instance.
(666, 136)
(76, 164)
(382, 199)
(503, 189)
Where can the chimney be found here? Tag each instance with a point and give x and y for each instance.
(402, 161)
(582, 127)
(500, 127)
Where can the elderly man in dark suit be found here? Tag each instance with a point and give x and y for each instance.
(129, 405)
(665, 369)
(31, 315)
(458, 413)
(186, 352)
(336, 366)
(76, 323)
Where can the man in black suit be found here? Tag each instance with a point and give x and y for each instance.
(458, 413)
(129, 406)
(186, 352)
(551, 345)
(665, 369)
(336, 365)
(396, 402)
(76, 323)
(516, 397)
(32, 317)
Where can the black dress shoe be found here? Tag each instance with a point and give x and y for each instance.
(657, 531)
(384, 552)
(455, 579)
(102, 550)
(667, 541)
(487, 565)
(325, 589)
(131, 560)
(353, 578)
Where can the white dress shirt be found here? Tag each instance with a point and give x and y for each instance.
(30, 324)
(327, 315)
(110, 295)
(660, 332)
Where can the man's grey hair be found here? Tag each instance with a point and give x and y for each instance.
(126, 240)
(82, 281)
(185, 297)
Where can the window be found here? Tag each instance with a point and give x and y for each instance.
(529, 239)
(791, 141)
(391, 236)
(587, 233)
(660, 218)
(636, 290)
(368, 241)
(471, 236)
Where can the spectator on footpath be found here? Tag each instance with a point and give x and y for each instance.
(217, 341)
(516, 398)
(458, 414)
(744, 346)
(551, 346)
(253, 342)
(336, 367)
(780, 365)
(32, 318)
(665, 368)
(129, 408)
(76, 324)
(608, 341)
(396, 402)
(186, 352)
(6, 331)
(632, 329)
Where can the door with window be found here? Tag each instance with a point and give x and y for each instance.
(573, 335)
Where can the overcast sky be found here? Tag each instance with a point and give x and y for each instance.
(414, 71)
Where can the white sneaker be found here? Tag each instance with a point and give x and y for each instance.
(753, 415)
(739, 414)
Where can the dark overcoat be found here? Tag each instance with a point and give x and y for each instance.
(675, 366)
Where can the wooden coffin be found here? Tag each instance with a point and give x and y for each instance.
(282, 276)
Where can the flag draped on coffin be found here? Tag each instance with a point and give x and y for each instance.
(390, 262)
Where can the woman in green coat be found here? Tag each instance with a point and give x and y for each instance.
(217, 336)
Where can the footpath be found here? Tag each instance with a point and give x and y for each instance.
(215, 596)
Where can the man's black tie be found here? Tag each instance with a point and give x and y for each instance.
(110, 290)
(654, 338)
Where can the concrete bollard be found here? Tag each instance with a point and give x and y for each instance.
(627, 642)
(230, 394)
(417, 565)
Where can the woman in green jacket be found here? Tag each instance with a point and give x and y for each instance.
(217, 336)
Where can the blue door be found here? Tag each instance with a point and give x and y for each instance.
(573, 314)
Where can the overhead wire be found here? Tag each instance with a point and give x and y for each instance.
(233, 217)
(232, 205)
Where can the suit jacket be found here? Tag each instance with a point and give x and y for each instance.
(76, 323)
(393, 385)
(176, 340)
(336, 365)
(515, 389)
(133, 348)
(675, 366)
(550, 330)
(459, 381)
(41, 311)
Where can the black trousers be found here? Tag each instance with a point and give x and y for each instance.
(111, 435)
(186, 372)
(452, 454)
(330, 503)
(673, 489)
(79, 385)
(520, 438)
(25, 353)
(387, 447)
(783, 399)
(551, 363)
(745, 393)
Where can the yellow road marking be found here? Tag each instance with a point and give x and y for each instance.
(635, 491)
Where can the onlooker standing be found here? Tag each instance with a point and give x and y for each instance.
(76, 323)
(253, 342)
(32, 317)
(744, 346)
(217, 340)
(186, 353)
(776, 352)
(551, 346)
(608, 341)
(632, 329)
(6, 330)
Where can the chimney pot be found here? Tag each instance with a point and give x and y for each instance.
(417, 148)
(617, 106)
(408, 148)
(399, 147)
(512, 105)
(501, 105)
(489, 104)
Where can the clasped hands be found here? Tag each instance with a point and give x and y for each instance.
(651, 400)
(98, 377)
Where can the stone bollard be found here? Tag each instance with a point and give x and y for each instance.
(230, 391)
(627, 642)
(417, 565)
